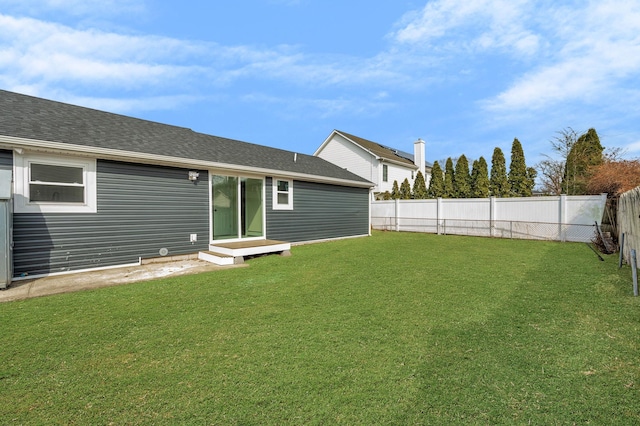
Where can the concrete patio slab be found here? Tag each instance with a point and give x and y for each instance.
(24, 289)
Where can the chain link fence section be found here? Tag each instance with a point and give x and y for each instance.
(485, 228)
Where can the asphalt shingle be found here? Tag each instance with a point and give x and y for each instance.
(383, 151)
(29, 117)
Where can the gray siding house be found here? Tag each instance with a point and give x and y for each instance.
(93, 189)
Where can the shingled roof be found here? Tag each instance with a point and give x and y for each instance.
(382, 151)
(32, 118)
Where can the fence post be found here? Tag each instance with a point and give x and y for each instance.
(397, 215)
(492, 215)
(634, 271)
(621, 250)
(562, 219)
(438, 213)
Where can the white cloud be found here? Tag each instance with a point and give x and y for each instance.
(291, 107)
(126, 105)
(565, 53)
(478, 25)
(44, 58)
(553, 84)
(633, 147)
(596, 47)
(39, 52)
(571, 51)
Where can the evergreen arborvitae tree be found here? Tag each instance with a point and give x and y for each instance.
(531, 180)
(498, 183)
(449, 189)
(585, 154)
(395, 192)
(462, 179)
(386, 195)
(436, 185)
(480, 179)
(518, 179)
(419, 187)
(474, 177)
(405, 190)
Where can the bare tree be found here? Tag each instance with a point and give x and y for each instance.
(564, 141)
(551, 172)
(614, 154)
(564, 144)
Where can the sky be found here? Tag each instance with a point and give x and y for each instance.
(464, 76)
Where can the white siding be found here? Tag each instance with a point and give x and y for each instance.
(345, 154)
(354, 158)
(397, 173)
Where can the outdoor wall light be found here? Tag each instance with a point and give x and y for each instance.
(193, 175)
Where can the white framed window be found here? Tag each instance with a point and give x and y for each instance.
(385, 173)
(282, 194)
(53, 184)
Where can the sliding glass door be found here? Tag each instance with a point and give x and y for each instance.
(237, 207)
(225, 207)
(251, 208)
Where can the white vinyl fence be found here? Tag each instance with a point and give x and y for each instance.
(561, 218)
(629, 222)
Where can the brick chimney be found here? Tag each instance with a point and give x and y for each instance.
(419, 155)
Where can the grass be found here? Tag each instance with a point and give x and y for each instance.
(394, 329)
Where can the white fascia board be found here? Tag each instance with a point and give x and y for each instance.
(326, 141)
(330, 138)
(10, 142)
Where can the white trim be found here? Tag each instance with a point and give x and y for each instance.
(210, 183)
(22, 203)
(236, 240)
(239, 177)
(60, 148)
(215, 259)
(275, 192)
(248, 251)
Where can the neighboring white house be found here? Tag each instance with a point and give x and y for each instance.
(377, 163)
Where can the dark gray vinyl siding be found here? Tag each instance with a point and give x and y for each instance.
(319, 212)
(141, 209)
(6, 159)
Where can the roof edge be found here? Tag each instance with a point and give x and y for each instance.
(11, 142)
(406, 163)
(346, 136)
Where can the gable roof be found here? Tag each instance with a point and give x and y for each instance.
(28, 122)
(382, 151)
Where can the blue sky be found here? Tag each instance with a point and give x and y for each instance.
(465, 76)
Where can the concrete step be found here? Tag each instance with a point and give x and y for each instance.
(250, 248)
(220, 258)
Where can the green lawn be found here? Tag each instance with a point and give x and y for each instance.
(394, 329)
